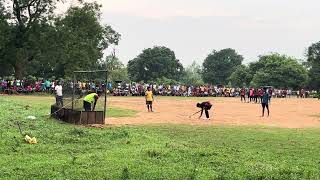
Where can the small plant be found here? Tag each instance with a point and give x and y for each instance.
(153, 153)
(125, 174)
(78, 132)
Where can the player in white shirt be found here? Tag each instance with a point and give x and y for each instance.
(58, 90)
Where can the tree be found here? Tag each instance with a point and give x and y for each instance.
(313, 59)
(279, 71)
(219, 65)
(154, 63)
(41, 44)
(82, 39)
(5, 68)
(24, 16)
(192, 75)
(116, 70)
(240, 76)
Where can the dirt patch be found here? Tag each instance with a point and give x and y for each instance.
(287, 113)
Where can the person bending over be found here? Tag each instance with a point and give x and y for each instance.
(90, 99)
(205, 106)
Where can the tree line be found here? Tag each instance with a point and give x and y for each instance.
(35, 41)
(225, 67)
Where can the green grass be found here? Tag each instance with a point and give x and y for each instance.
(65, 151)
(119, 112)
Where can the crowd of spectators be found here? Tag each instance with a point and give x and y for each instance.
(25, 86)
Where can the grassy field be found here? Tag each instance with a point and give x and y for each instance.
(149, 152)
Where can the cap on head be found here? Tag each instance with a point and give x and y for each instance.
(198, 105)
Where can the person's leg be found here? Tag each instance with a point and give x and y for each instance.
(267, 106)
(57, 101)
(263, 107)
(61, 100)
(148, 106)
(207, 113)
(87, 106)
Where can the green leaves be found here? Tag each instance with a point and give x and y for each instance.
(279, 71)
(313, 58)
(192, 75)
(240, 77)
(153, 63)
(219, 65)
(37, 42)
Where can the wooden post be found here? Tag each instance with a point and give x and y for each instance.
(105, 98)
(73, 89)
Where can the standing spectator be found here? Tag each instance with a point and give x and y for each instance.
(243, 94)
(52, 86)
(270, 94)
(251, 93)
(149, 99)
(260, 94)
(58, 90)
(265, 102)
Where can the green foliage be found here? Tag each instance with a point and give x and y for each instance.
(219, 65)
(153, 63)
(166, 81)
(149, 152)
(82, 38)
(240, 77)
(5, 68)
(279, 71)
(41, 44)
(313, 58)
(192, 75)
(116, 70)
(24, 18)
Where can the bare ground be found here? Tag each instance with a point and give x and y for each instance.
(285, 113)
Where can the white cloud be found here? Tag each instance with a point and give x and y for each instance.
(192, 28)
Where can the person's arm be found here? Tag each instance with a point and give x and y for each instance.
(95, 102)
(201, 112)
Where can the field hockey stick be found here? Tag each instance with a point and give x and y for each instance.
(194, 113)
(64, 106)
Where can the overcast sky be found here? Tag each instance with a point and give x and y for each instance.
(193, 28)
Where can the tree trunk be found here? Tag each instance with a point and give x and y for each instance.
(20, 63)
(18, 69)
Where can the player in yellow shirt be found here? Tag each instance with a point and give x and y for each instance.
(90, 99)
(149, 99)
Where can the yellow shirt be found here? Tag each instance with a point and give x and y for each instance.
(90, 97)
(149, 96)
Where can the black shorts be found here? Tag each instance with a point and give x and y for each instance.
(87, 106)
(148, 102)
(264, 105)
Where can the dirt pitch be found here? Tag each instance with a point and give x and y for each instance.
(286, 113)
